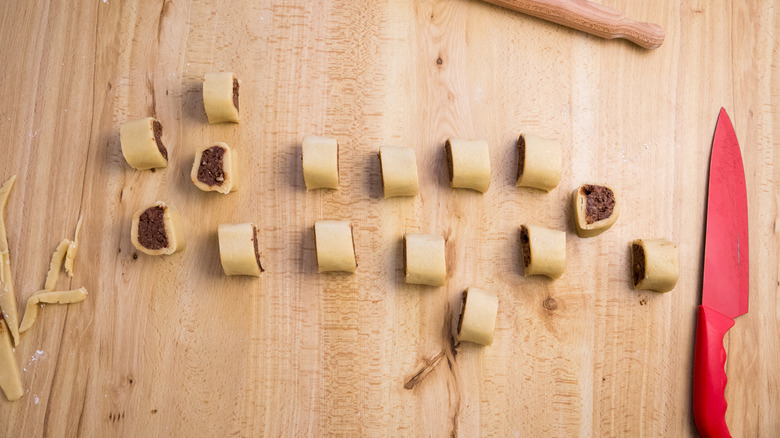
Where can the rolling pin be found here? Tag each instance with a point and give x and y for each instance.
(589, 17)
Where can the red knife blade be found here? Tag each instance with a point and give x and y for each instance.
(725, 286)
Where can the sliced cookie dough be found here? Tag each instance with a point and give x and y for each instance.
(142, 144)
(539, 162)
(335, 246)
(73, 247)
(399, 171)
(596, 209)
(655, 264)
(424, 259)
(49, 297)
(477, 319)
(157, 230)
(215, 169)
(320, 157)
(7, 294)
(238, 249)
(220, 97)
(544, 251)
(468, 163)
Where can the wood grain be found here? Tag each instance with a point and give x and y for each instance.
(170, 346)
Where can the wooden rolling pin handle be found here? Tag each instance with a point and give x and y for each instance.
(589, 17)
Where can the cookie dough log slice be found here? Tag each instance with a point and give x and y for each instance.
(596, 209)
(320, 157)
(424, 259)
(220, 97)
(539, 162)
(655, 264)
(468, 163)
(477, 319)
(215, 169)
(399, 171)
(157, 230)
(142, 144)
(238, 249)
(335, 246)
(544, 251)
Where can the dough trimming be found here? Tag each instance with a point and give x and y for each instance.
(544, 251)
(238, 249)
(335, 246)
(7, 294)
(142, 144)
(477, 320)
(468, 162)
(596, 209)
(49, 297)
(399, 171)
(157, 230)
(220, 97)
(215, 169)
(424, 259)
(655, 264)
(539, 162)
(320, 162)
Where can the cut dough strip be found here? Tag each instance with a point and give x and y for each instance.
(73, 247)
(56, 265)
(7, 294)
(49, 297)
(10, 380)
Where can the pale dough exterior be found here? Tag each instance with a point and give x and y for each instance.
(49, 297)
(7, 294)
(662, 265)
(73, 247)
(547, 251)
(10, 380)
(399, 171)
(541, 167)
(584, 229)
(56, 265)
(477, 321)
(173, 228)
(469, 164)
(425, 259)
(320, 162)
(139, 146)
(237, 249)
(218, 97)
(335, 246)
(229, 165)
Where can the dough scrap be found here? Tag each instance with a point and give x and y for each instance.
(539, 162)
(163, 229)
(477, 320)
(142, 144)
(399, 171)
(10, 380)
(655, 264)
(7, 294)
(468, 162)
(335, 246)
(220, 97)
(424, 259)
(73, 247)
(56, 264)
(49, 297)
(238, 249)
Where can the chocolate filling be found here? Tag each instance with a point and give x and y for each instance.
(151, 228)
(157, 128)
(599, 202)
(257, 252)
(235, 93)
(212, 171)
(525, 242)
(448, 148)
(352, 235)
(404, 257)
(638, 262)
(462, 311)
(520, 156)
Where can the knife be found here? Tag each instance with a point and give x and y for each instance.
(725, 285)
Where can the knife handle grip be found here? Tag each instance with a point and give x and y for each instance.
(709, 373)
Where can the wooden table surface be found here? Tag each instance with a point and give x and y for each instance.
(169, 346)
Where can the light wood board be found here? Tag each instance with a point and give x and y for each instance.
(169, 346)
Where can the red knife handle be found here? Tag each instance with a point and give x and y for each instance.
(709, 373)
